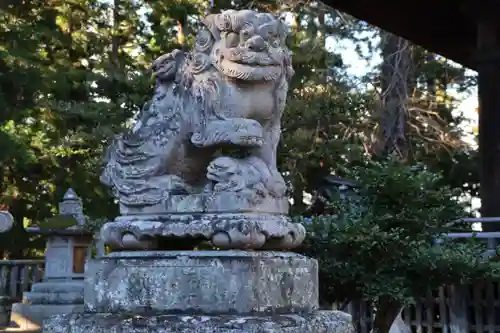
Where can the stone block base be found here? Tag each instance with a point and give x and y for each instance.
(38, 312)
(202, 282)
(317, 322)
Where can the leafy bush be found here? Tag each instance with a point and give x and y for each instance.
(387, 244)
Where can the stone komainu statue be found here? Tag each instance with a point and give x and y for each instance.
(230, 91)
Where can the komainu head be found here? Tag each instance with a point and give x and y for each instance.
(243, 45)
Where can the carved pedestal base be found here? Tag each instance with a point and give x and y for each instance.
(201, 292)
(207, 282)
(186, 231)
(318, 322)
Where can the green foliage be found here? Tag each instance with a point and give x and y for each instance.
(382, 243)
(94, 225)
(322, 130)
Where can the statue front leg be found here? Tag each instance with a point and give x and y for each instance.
(268, 154)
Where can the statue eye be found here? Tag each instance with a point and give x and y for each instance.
(272, 34)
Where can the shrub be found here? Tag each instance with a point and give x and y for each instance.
(387, 244)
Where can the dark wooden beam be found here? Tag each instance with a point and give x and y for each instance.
(488, 65)
(439, 26)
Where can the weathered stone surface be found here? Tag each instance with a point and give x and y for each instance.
(71, 205)
(317, 322)
(225, 231)
(53, 298)
(38, 312)
(214, 203)
(228, 92)
(57, 293)
(76, 286)
(203, 282)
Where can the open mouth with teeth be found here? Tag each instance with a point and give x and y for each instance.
(244, 64)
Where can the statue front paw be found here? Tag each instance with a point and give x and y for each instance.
(228, 186)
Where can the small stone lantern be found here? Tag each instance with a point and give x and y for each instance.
(67, 249)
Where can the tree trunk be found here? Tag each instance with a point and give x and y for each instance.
(396, 84)
(387, 310)
(399, 326)
(115, 39)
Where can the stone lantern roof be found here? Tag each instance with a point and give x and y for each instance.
(72, 208)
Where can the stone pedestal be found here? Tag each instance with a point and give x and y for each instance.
(201, 291)
(317, 322)
(203, 282)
